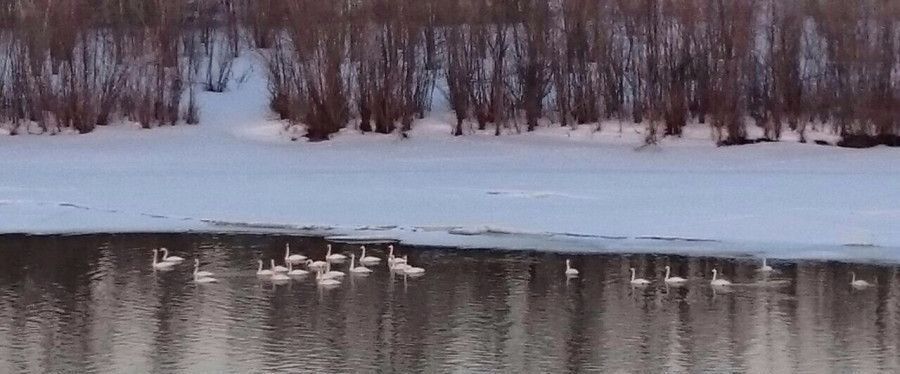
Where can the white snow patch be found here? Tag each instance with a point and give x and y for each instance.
(567, 189)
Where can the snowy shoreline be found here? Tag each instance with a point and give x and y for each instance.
(556, 188)
(491, 239)
(478, 238)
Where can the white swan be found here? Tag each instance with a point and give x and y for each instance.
(277, 268)
(197, 272)
(570, 271)
(367, 260)
(337, 257)
(859, 283)
(199, 279)
(397, 267)
(292, 259)
(161, 265)
(279, 277)
(392, 259)
(358, 269)
(673, 280)
(315, 264)
(167, 258)
(765, 267)
(325, 281)
(411, 270)
(718, 282)
(295, 272)
(263, 272)
(332, 273)
(638, 281)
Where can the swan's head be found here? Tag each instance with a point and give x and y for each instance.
(353, 256)
(715, 271)
(260, 262)
(632, 270)
(197, 261)
(667, 267)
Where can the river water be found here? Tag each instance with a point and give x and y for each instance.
(94, 304)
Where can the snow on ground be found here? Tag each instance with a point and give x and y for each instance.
(557, 188)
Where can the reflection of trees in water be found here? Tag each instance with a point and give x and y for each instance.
(99, 306)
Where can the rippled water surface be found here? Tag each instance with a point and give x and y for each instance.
(94, 304)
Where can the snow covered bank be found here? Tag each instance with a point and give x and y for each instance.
(556, 189)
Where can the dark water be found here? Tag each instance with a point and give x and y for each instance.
(93, 304)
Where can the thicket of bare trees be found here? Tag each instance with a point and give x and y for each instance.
(79, 64)
(662, 63)
(507, 65)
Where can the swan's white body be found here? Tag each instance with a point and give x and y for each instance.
(332, 273)
(322, 280)
(673, 280)
(409, 269)
(337, 257)
(292, 259)
(279, 277)
(638, 281)
(161, 265)
(295, 272)
(199, 279)
(263, 272)
(277, 268)
(765, 267)
(358, 269)
(718, 282)
(367, 260)
(398, 267)
(859, 283)
(197, 272)
(570, 271)
(412, 270)
(394, 260)
(167, 258)
(316, 264)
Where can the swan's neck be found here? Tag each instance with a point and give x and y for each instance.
(329, 251)
(260, 265)
(391, 251)
(353, 260)
(196, 269)
(287, 251)
(714, 275)
(568, 266)
(154, 258)
(272, 264)
(853, 280)
(363, 252)
(668, 271)
(632, 274)
(764, 262)
(165, 253)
